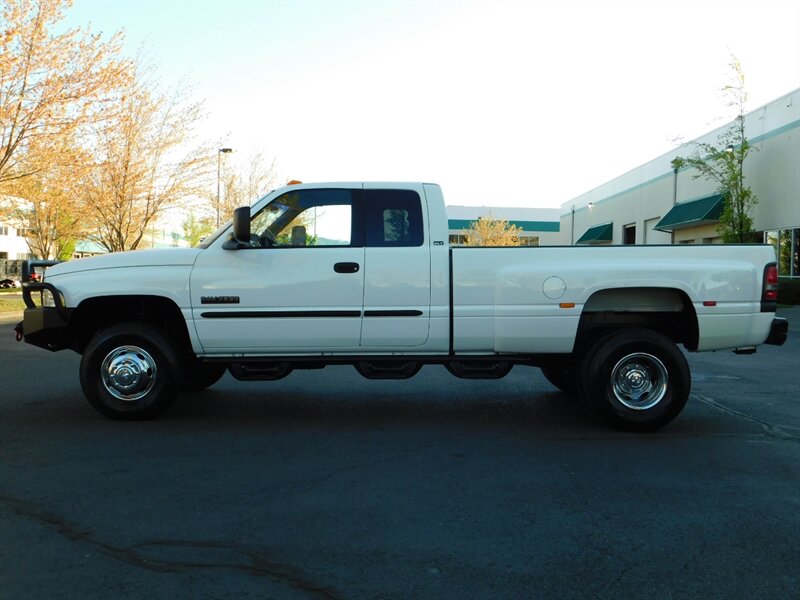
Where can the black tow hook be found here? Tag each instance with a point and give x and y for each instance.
(18, 331)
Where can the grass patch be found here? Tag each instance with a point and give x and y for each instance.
(11, 305)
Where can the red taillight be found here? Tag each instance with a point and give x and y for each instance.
(770, 293)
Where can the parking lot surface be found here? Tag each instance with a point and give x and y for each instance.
(326, 485)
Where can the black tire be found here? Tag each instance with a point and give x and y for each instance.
(198, 376)
(563, 377)
(637, 379)
(131, 371)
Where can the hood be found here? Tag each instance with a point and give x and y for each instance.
(136, 258)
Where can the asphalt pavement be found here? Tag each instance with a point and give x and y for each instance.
(326, 485)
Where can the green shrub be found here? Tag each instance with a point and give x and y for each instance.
(789, 291)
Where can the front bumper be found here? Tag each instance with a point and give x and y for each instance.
(46, 327)
(778, 332)
(43, 326)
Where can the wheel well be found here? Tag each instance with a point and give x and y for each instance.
(666, 310)
(95, 313)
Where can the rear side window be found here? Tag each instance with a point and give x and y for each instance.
(394, 218)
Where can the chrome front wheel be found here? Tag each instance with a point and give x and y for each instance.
(129, 373)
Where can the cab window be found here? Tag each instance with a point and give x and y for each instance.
(307, 218)
(393, 218)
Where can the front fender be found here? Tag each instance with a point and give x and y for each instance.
(171, 282)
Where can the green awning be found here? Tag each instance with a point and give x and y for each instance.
(460, 224)
(692, 214)
(599, 234)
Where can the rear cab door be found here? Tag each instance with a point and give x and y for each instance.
(397, 282)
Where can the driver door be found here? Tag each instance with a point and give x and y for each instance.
(299, 289)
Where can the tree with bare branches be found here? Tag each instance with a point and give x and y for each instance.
(245, 182)
(141, 165)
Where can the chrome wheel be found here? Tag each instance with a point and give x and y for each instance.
(128, 373)
(636, 379)
(639, 381)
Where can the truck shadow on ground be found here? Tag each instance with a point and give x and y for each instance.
(519, 403)
(535, 412)
(552, 408)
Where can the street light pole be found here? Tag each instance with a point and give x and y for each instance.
(220, 152)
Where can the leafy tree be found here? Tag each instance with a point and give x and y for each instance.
(195, 229)
(785, 253)
(67, 250)
(487, 231)
(51, 85)
(723, 163)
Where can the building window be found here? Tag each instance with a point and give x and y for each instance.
(458, 239)
(3, 255)
(3, 229)
(529, 240)
(796, 253)
(787, 248)
(629, 234)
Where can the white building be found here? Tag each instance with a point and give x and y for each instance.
(13, 245)
(653, 204)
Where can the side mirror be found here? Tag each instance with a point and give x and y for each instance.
(241, 225)
(240, 238)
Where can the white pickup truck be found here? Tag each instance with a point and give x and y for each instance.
(362, 274)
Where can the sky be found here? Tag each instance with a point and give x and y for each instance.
(524, 104)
